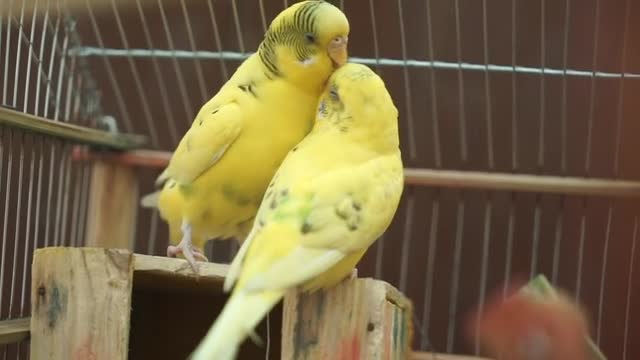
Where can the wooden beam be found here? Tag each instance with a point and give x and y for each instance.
(357, 319)
(63, 130)
(434, 178)
(13, 330)
(113, 206)
(521, 183)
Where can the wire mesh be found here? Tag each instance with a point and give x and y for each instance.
(43, 194)
(518, 87)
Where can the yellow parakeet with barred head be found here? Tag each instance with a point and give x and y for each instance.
(220, 170)
(333, 196)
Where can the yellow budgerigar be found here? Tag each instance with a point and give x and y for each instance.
(220, 170)
(333, 196)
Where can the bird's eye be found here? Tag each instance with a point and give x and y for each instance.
(310, 38)
(333, 94)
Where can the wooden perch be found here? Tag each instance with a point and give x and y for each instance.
(13, 330)
(431, 177)
(358, 319)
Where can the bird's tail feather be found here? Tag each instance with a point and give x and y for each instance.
(242, 313)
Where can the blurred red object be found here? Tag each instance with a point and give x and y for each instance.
(523, 327)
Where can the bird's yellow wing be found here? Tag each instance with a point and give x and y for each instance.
(213, 131)
(313, 226)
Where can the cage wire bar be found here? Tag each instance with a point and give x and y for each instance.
(49, 103)
(523, 88)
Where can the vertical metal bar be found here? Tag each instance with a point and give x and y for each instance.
(84, 204)
(113, 81)
(627, 317)
(188, 108)
(514, 143)
(70, 77)
(407, 86)
(406, 241)
(27, 235)
(62, 174)
(510, 234)
(461, 100)
(216, 35)
(61, 71)
(153, 232)
(41, 152)
(16, 230)
(45, 24)
(437, 151)
(379, 257)
(587, 165)
(30, 57)
(52, 61)
(166, 103)
(563, 142)
(196, 60)
(5, 222)
(5, 83)
(151, 127)
(488, 210)
(16, 78)
(455, 281)
(556, 243)
(236, 20)
(49, 208)
(535, 243)
(431, 261)
(616, 165)
(263, 17)
(490, 160)
(65, 202)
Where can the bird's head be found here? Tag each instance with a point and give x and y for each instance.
(356, 101)
(306, 42)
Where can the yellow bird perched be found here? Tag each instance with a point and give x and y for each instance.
(333, 196)
(220, 170)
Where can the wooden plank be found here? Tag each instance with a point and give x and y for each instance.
(357, 319)
(63, 130)
(80, 301)
(113, 206)
(14, 330)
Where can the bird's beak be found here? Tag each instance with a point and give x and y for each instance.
(338, 50)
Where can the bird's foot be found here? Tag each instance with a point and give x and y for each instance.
(190, 253)
(354, 274)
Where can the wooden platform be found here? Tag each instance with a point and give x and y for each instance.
(95, 303)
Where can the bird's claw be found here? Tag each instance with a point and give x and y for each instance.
(190, 254)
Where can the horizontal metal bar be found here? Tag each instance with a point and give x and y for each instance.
(522, 183)
(86, 51)
(434, 178)
(14, 330)
(74, 133)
